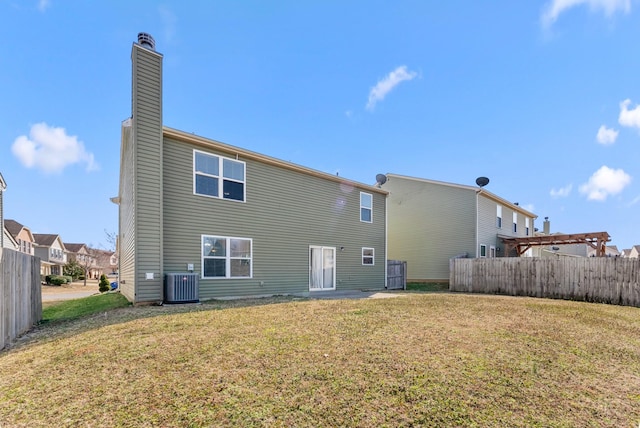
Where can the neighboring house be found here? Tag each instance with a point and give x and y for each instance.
(625, 253)
(85, 257)
(431, 221)
(245, 223)
(52, 253)
(8, 241)
(3, 187)
(22, 236)
(107, 262)
(634, 252)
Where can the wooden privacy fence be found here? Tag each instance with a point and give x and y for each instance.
(396, 275)
(594, 279)
(20, 294)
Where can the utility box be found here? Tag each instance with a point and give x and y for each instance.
(181, 287)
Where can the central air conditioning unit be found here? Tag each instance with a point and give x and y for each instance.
(181, 288)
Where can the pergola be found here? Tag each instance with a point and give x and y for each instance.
(597, 240)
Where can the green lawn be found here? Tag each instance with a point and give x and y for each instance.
(434, 359)
(76, 308)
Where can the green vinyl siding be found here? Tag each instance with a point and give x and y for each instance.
(428, 223)
(285, 212)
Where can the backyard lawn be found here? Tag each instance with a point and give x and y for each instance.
(432, 359)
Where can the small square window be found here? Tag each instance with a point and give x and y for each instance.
(483, 250)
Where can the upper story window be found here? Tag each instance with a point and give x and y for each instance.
(515, 222)
(218, 177)
(366, 207)
(224, 257)
(526, 226)
(499, 216)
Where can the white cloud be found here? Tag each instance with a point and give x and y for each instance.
(43, 5)
(169, 21)
(554, 8)
(528, 207)
(628, 117)
(386, 85)
(605, 182)
(606, 135)
(50, 149)
(562, 192)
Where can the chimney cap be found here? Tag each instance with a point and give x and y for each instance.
(147, 41)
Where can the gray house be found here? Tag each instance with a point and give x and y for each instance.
(52, 253)
(245, 223)
(431, 221)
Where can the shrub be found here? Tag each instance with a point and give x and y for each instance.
(104, 284)
(57, 280)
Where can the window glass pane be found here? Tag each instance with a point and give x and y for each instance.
(483, 251)
(207, 164)
(240, 268)
(233, 169)
(206, 185)
(214, 247)
(215, 267)
(367, 260)
(367, 252)
(365, 200)
(365, 214)
(240, 248)
(233, 190)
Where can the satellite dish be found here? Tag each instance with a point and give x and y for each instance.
(381, 179)
(482, 181)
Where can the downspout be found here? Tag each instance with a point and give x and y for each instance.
(386, 254)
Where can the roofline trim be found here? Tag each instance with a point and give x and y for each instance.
(237, 151)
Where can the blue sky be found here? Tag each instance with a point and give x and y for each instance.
(541, 96)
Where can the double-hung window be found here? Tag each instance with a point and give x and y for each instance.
(224, 257)
(499, 216)
(515, 222)
(483, 250)
(218, 177)
(366, 207)
(526, 226)
(368, 256)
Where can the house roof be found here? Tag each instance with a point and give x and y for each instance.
(74, 248)
(15, 228)
(46, 239)
(247, 154)
(478, 190)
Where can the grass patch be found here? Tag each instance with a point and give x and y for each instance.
(434, 359)
(427, 286)
(77, 308)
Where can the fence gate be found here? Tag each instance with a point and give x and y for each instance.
(396, 275)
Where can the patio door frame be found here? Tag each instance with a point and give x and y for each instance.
(321, 270)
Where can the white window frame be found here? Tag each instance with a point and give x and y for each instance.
(372, 256)
(526, 226)
(483, 247)
(228, 258)
(499, 216)
(220, 177)
(366, 207)
(515, 222)
(492, 251)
